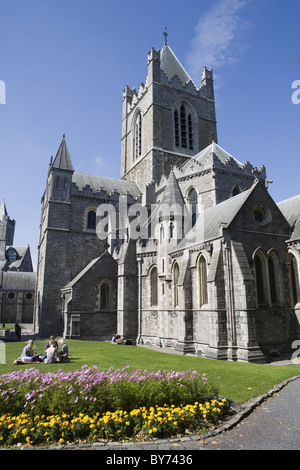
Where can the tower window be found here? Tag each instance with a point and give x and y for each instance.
(138, 136)
(91, 220)
(183, 128)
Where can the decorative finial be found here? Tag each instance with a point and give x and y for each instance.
(166, 35)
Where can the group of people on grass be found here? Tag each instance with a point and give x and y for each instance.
(51, 354)
(117, 339)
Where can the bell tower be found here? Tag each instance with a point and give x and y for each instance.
(167, 120)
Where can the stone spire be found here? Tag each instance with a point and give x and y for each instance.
(172, 193)
(63, 160)
(3, 210)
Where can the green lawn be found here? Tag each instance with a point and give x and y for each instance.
(236, 380)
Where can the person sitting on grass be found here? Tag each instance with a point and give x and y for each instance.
(63, 355)
(122, 340)
(28, 354)
(51, 353)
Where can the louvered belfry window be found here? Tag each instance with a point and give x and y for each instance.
(183, 128)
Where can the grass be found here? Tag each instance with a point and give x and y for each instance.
(237, 381)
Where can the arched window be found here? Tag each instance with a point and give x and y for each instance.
(236, 190)
(202, 274)
(104, 296)
(273, 270)
(153, 286)
(183, 127)
(295, 280)
(260, 278)
(91, 220)
(137, 147)
(175, 282)
(193, 202)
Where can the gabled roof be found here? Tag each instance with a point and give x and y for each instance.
(291, 211)
(87, 269)
(82, 273)
(204, 157)
(171, 66)
(21, 252)
(63, 159)
(210, 221)
(215, 156)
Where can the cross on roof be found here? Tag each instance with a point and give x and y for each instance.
(166, 35)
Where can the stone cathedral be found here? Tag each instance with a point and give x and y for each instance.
(187, 250)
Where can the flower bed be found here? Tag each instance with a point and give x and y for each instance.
(112, 404)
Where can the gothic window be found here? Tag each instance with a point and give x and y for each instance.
(175, 281)
(176, 121)
(91, 220)
(104, 296)
(183, 127)
(273, 278)
(153, 286)
(295, 280)
(236, 190)
(138, 136)
(193, 202)
(260, 278)
(28, 296)
(202, 273)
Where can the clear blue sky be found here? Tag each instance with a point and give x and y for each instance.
(65, 64)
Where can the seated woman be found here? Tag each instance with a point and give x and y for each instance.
(63, 355)
(51, 353)
(28, 354)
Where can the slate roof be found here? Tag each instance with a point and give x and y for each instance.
(171, 66)
(291, 211)
(82, 273)
(109, 185)
(15, 280)
(86, 270)
(208, 223)
(205, 157)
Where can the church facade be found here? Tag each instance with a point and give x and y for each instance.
(187, 250)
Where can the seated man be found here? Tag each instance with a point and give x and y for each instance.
(28, 354)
